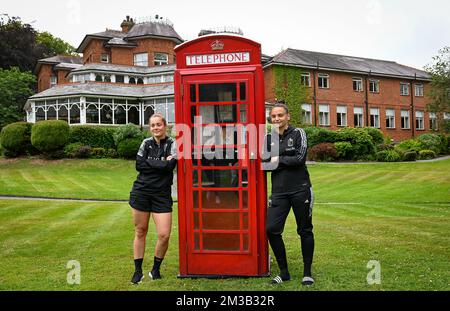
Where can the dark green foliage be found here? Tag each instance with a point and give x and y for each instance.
(15, 88)
(50, 136)
(322, 152)
(385, 146)
(409, 156)
(409, 145)
(361, 141)
(77, 150)
(427, 154)
(317, 135)
(94, 136)
(54, 45)
(15, 139)
(344, 150)
(129, 147)
(127, 131)
(430, 142)
(388, 156)
(98, 153)
(111, 153)
(376, 134)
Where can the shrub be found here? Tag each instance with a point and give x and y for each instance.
(376, 134)
(385, 146)
(98, 153)
(430, 142)
(49, 137)
(129, 147)
(323, 152)
(111, 153)
(427, 154)
(344, 149)
(444, 144)
(127, 131)
(388, 156)
(409, 145)
(409, 156)
(94, 136)
(15, 139)
(361, 141)
(77, 150)
(317, 135)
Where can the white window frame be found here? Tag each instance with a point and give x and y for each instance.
(160, 62)
(324, 115)
(419, 120)
(374, 86)
(390, 118)
(359, 113)
(323, 78)
(53, 80)
(307, 113)
(358, 83)
(405, 117)
(305, 79)
(418, 90)
(375, 113)
(404, 89)
(342, 112)
(433, 121)
(103, 60)
(137, 61)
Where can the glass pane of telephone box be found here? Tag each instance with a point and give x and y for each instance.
(217, 92)
(220, 178)
(221, 241)
(221, 221)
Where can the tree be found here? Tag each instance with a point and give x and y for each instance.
(15, 88)
(439, 70)
(54, 46)
(288, 88)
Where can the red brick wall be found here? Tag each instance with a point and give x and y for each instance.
(340, 92)
(44, 77)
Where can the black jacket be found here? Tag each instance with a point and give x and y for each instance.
(155, 172)
(290, 173)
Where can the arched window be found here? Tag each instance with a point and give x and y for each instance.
(98, 78)
(107, 79)
(51, 113)
(106, 114)
(140, 81)
(132, 80)
(133, 115)
(63, 113)
(92, 113)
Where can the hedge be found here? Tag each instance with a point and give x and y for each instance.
(15, 139)
(129, 147)
(94, 136)
(50, 136)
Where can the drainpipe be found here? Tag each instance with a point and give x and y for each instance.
(366, 99)
(413, 117)
(315, 95)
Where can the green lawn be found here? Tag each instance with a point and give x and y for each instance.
(395, 213)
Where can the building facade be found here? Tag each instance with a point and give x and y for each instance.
(356, 92)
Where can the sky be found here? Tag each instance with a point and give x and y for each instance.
(409, 32)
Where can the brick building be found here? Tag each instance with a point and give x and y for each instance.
(126, 75)
(355, 92)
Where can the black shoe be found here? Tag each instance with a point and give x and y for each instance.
(278, 279)
(137, 277)
(307, 281)
(154, 274)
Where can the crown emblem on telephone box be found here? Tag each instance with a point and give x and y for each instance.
(217, 45)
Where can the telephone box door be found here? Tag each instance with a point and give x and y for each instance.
(221, 177)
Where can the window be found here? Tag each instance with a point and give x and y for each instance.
(418, 89)
(120, 79)
(404, 114)
(105, 58)
(305, 79)
(375, 117)
(161, 59)
(324, 115)
(358, 117)
(404, 88)
(323, 81)
(306, 114)
(53, 81)
(132, 80)
(419, 120)
(374, 86)
(357, 84)
(141, 59)
(341, 115)
(390, 118)
(433, 121)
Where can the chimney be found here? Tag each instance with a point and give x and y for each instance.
(127, 24)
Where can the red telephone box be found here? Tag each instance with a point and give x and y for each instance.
(219, 95)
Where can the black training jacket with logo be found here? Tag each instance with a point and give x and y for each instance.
(155, 172)
(290, 173)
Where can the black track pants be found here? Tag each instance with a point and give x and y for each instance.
(279, 206)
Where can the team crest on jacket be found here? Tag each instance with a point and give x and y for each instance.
(290, 142)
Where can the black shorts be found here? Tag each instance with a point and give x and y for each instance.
(151, 202)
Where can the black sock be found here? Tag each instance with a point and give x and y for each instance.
(307, 269)
(284, 274)
(157, 263)
(138, 264)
